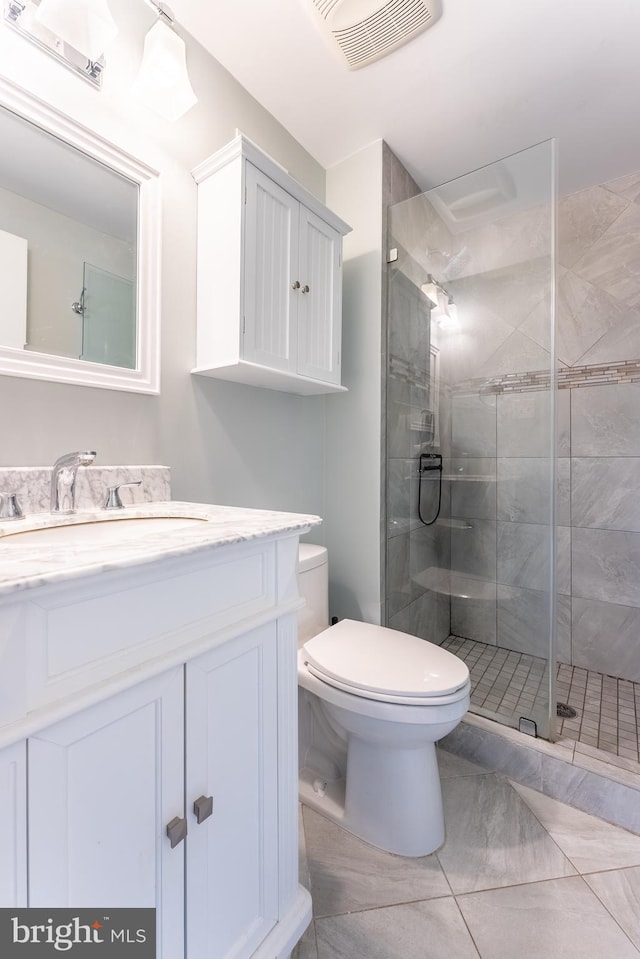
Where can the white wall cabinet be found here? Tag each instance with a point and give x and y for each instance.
(190, 723)
(269, 276)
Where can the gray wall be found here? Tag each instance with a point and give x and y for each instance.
(225, 443)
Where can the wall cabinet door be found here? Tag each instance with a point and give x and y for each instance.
(292, 280)
(13, 834)
(103, 785)
(270, 270)
(232, 757)
(320, 300)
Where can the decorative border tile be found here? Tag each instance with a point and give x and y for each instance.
(601, 374)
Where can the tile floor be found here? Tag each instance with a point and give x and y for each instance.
(506, 684)
(519, 875)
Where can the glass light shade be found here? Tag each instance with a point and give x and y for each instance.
(86, 25)
(430, 290)
(163, 82)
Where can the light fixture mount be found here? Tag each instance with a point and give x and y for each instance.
(21, 16)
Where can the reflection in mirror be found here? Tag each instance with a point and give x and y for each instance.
(78, 252)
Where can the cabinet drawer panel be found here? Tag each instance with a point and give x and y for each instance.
(106, 632)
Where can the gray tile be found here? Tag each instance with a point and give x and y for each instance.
(524, 555)
(620, 893)
(561, 917)
(475, 618)
(591, 844)
(473, 425)
(606, 565)
(524, 425)
(606, 637)
(348, 875)
(493, 839)
(307, 947)
(604, 492)
(523, 620)
(473, 549)
(605, 420)
(420, 930)
(563, 422)
(524, 490)
(583, 218)
(585, 314)
(473, 487)
(451, 766)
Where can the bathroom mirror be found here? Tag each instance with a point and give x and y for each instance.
(79, 252)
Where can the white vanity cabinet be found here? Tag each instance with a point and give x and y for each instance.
(13, 816)
(269, 276)
(159, 745)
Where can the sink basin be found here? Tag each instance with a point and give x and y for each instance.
(103, 532)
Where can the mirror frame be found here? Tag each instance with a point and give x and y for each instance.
(43, 366)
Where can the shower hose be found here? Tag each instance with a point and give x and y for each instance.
(427, 464)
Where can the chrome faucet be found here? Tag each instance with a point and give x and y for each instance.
(63, 480)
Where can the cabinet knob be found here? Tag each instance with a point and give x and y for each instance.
(305, 288)
(202, 808)
(296, 285)
(176, 831)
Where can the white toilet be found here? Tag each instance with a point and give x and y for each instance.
(372, 704)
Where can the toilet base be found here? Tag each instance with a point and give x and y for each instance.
(400, 811)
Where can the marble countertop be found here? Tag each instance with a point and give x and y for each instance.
(28, 564)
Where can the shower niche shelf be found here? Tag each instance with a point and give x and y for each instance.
(451, 583)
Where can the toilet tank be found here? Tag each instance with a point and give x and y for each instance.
(313, 582)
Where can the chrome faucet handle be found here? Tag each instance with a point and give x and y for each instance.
(10, 507)
(113, 495)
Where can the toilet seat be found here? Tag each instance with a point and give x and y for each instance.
(377, 663)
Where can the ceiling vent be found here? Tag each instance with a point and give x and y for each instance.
(366, 30)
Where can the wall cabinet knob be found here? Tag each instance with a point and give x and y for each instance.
(202, 808)
(305, 288)
(176, 831)
(296, 285)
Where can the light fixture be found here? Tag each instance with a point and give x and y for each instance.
(87, 25)
(74, 32)
(163, 82)
(447, 317)
(430, 289)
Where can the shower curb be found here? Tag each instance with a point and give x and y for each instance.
(588, 779)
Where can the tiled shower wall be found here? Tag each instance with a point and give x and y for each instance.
(494, 435)
(598, 505)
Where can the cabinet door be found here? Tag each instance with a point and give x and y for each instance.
(320, 311)
(13, 834)
(232, 857)
(270, 263)
(103, 785)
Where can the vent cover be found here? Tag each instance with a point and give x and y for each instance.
(366, 30)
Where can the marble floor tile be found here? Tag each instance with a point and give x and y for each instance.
(452, 766)
(307, 947)
(589, 843)
(348, 875)
(493, 838)
(420, 930)
(619, 890)
(560, 917)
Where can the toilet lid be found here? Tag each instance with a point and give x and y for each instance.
(383, 661)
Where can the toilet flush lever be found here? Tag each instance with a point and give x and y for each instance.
(113, 495)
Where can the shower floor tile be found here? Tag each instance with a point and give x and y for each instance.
(509, 684)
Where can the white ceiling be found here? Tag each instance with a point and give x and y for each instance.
(491, 77)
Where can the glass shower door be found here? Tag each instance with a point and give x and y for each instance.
(470, 476)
